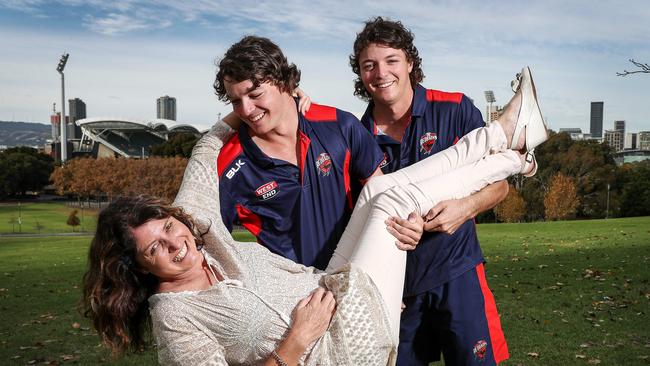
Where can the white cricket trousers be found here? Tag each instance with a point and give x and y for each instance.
(476, 160)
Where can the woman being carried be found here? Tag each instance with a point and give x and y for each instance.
(237, 303)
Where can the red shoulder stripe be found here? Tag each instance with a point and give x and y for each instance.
(440, 96)
(228, 153)
(249, 220)
(321, 113)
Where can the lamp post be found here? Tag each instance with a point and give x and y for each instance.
(62, 123)
(489, 97)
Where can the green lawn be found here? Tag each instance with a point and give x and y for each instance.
(570, 293)
(50, 215)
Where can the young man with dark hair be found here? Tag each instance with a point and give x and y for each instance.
(449, 307)
(289, 177)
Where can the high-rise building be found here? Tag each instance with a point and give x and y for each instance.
(614, 138)
(77, 111)
(166, 108)
(643, 140)
(55, 119)
(596, 120)
(619, 126)
(630, 141)
(493, 112)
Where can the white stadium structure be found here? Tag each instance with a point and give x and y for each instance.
(129, 138)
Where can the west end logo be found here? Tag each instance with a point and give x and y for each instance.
(324, 164)
(267, 190)
(426, 142)
(385, 161)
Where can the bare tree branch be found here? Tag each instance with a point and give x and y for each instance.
(644, 69)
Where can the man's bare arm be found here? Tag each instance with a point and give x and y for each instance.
(447, 216)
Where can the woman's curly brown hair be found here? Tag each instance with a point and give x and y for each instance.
(259, 60)
(115, 291)
(388, 33)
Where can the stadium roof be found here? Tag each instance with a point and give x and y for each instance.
(127, 137)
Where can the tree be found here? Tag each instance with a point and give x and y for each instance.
(635, 200)
(73, 220)
(23, 169)
(180, 144)
(512, 208)
(561, 200)
(643, 69)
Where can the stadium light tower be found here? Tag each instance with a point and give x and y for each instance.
(489, 97)
(64, 127)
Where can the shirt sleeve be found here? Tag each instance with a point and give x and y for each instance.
(470, 117)
(228, 211)
(199, 191)
(365, 154)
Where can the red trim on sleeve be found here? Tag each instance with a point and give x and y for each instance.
(320, 113)
(497, 339)
(456, 140)
(346, 178)
(440, 96)
(228, 153)
(249, 220)
(304, 149)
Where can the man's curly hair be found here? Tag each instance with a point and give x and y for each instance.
(387, 33)
(259, 60)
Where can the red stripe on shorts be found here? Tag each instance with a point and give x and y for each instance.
(497, 339)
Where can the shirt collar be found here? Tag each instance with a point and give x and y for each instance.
(419, 104)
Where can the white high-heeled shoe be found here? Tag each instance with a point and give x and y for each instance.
(530, 116)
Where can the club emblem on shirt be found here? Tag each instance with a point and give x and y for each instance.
(324, 164)
(426, 142)
(480, 350)
(385, 161)
(267, 190)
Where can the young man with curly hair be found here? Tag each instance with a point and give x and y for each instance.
(449, 307)
(288, 177)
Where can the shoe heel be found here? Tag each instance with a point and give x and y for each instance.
(536, 132)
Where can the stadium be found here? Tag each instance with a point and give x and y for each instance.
(129, 138)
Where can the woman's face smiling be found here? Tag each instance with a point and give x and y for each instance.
(166, 249)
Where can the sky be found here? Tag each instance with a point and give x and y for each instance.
(124, 54)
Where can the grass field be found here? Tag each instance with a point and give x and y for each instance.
(570, 293)
(50, 215)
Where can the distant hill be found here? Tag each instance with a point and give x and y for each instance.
(24, 133)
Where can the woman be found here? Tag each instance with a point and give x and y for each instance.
(241, 304)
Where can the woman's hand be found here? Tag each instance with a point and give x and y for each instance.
(312, 316)
(305, 101)
(407, 231)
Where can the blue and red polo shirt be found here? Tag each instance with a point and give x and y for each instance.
(438, 120)
(298, 212)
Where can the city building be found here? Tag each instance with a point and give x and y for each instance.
(114, 137)
(574, 132)
(596, 120)
(166, 108)
(630, 141)
(643, 140)
(55, 120)
(614, 138)
(492, 112)
(77, 111)
(619, 126)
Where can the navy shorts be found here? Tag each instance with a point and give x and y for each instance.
(458, 319)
